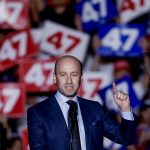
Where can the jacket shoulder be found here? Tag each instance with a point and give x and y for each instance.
(41, 105)
(89, 102)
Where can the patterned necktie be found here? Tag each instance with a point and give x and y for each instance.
(73, 126)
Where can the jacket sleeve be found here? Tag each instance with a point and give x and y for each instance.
(123, 133)
(36, 131)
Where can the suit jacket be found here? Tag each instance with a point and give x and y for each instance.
(48, 130)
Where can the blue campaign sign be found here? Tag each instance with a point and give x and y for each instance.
(89, 13)
(125, 85)
(95, 12)
(108, 10)
(121, 40)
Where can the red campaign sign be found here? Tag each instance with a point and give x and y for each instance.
(97, 84)
(92, 83)
(16, 47)
(12, 99)
(131, 5)
(58, 40)
(131, 9)
(14, 14)
(37, 75)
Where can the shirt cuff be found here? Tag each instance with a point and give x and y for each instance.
(127, 115)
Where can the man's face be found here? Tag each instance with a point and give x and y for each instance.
(68, 77)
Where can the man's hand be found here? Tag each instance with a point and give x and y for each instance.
(121, 99)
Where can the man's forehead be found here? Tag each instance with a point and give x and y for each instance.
(67, 60)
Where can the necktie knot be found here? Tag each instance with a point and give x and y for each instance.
(72, 104)
(72, 110)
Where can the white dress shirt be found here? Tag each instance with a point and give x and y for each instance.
(61, 99)
(65, 107)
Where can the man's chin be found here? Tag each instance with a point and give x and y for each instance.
(69, 94)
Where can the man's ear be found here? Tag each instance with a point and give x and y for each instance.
(54, 78)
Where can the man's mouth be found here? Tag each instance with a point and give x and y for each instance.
(68, 87)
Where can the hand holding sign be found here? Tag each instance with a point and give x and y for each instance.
(121, 99)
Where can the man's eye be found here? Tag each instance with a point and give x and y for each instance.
(74, 74)
(63, 74)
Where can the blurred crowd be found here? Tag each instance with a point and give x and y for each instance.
(137, 68)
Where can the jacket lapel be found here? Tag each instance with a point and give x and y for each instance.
(57, 118)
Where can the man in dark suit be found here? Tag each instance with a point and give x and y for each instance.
(48, 121)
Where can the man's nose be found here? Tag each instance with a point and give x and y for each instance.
(69, 80)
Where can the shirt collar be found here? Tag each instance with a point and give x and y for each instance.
(62, 99)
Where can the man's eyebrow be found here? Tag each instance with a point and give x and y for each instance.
(61, 72)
